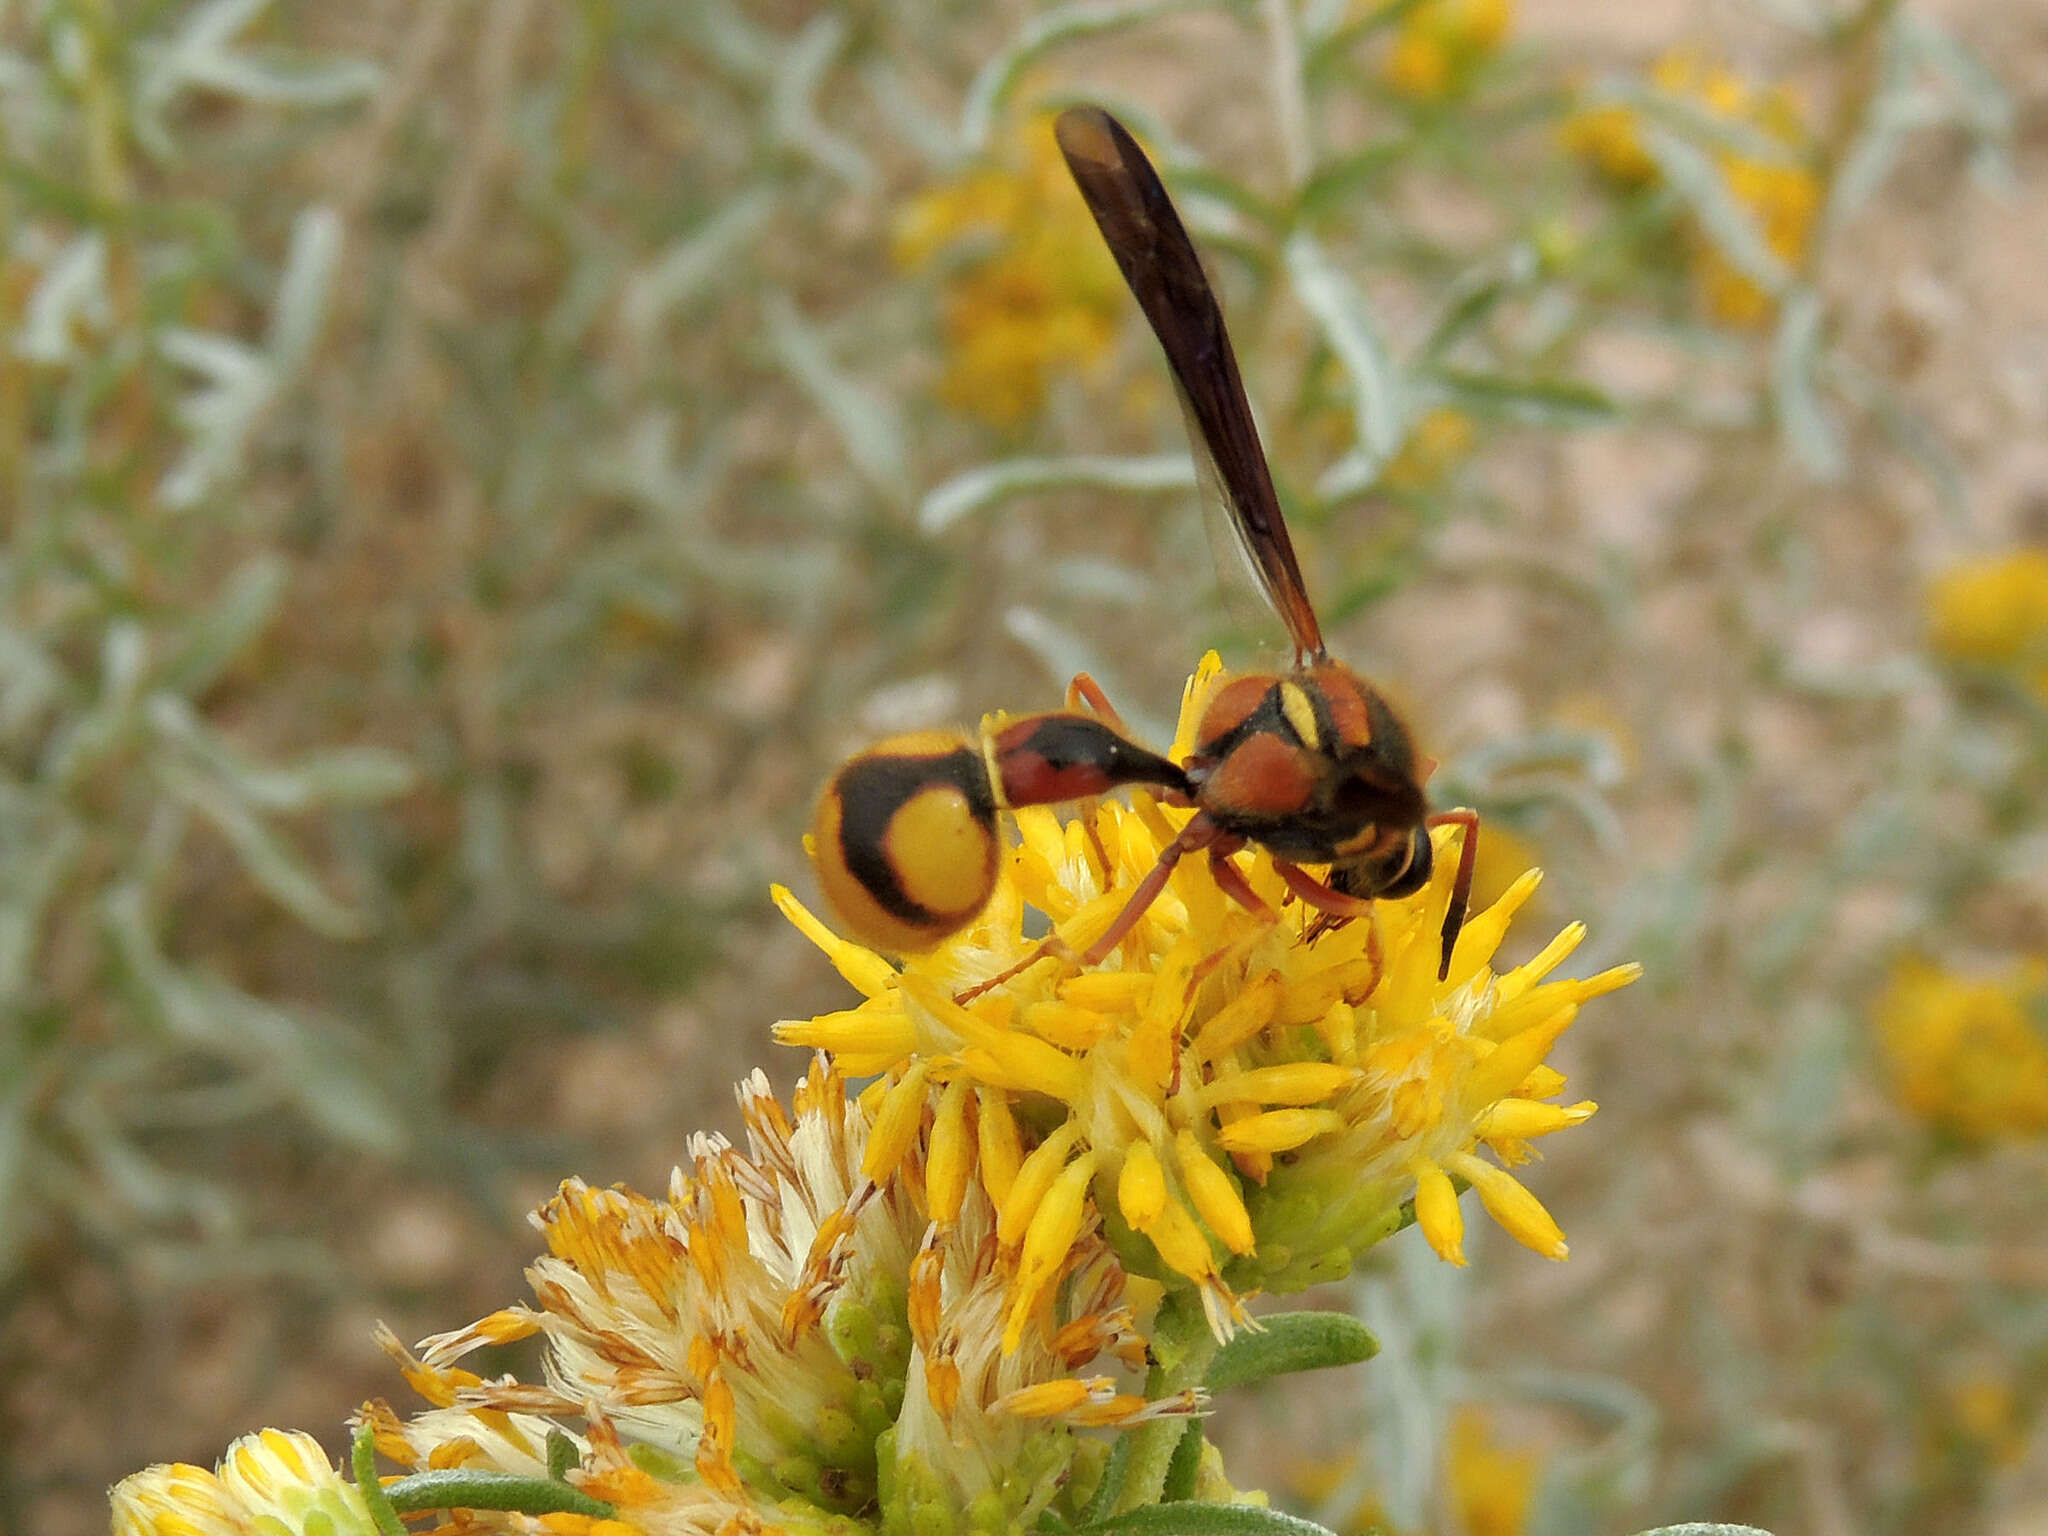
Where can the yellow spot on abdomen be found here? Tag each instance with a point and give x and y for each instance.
(943, 857)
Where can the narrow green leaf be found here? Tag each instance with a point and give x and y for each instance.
(986, 485)
(1184, 1468)
(1351, 176)
(991, 87)
(562, 1455)
(300, 309)
(307, 1060)
(363, 1458)
(867, 423)
(1188, 1518)
(42, 846)
(226, 625)
(797, 82)
(1111, 1488)
(1331, 46)
(70, 300)
(263, 855)
(1353, 334)
(337, 776)
(30, 681)
(1547, 402)
(124, 656)
(1812, 436)
(1470, 304)
(1288, 1342)
(689, 266)
(455, 1488)
(1692, 173)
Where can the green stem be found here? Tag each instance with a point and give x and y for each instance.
(1184, 1347)
(1290, 104)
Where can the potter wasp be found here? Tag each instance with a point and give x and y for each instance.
(1310, 764)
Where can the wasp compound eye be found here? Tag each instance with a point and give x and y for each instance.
(1421, 861)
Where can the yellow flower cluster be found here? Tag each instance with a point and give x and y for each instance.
(1235, 1106)
(897, 1310)
(1993, 612)
(268, 1482)
(780, 1344)
(1489, 1488)
(1968, 1056)
(1030, 290)
(1436, 445)
(1493, 1487)
(1781, 194)
(1440, 44)
(1982, 1413)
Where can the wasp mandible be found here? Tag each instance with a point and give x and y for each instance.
(1311, 764)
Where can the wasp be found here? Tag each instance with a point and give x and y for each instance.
(1311, 764)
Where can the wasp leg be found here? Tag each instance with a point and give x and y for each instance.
(1199, 833)
(1085, 690)
(1461, 887)
(1050, 948)
(1231, 881)
(1320, 894)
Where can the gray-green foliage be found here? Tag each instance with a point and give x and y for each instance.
(136, 595)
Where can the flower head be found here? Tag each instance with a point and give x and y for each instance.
(272, 1483)
(1993, 612)
(1245, 1104)
(1779, 191)
(1030, 290)
(1440, 44)
(1968, 1056)
(786, 1342)
(1441, 440)
(1492, 1487)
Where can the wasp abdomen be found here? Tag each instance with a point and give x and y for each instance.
(905, 841)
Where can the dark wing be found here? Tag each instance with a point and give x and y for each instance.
(1151, 247)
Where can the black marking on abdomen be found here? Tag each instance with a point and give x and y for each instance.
(872, 789)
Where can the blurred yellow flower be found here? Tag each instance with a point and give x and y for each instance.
(1781, 194)
(1490, 1487)
(271, 1483)
(1985, 1413)
(1440, 44)
(1436, 444)
(1969, 1056)
(1606, 135)
(1242, 1107)
(1486, 1489)
(1993, 612)
(1030, 290)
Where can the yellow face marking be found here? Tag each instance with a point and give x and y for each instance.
(993, 768)
(941, 855)
(1301, 714)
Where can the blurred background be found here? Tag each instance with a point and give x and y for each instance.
(470, 467)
